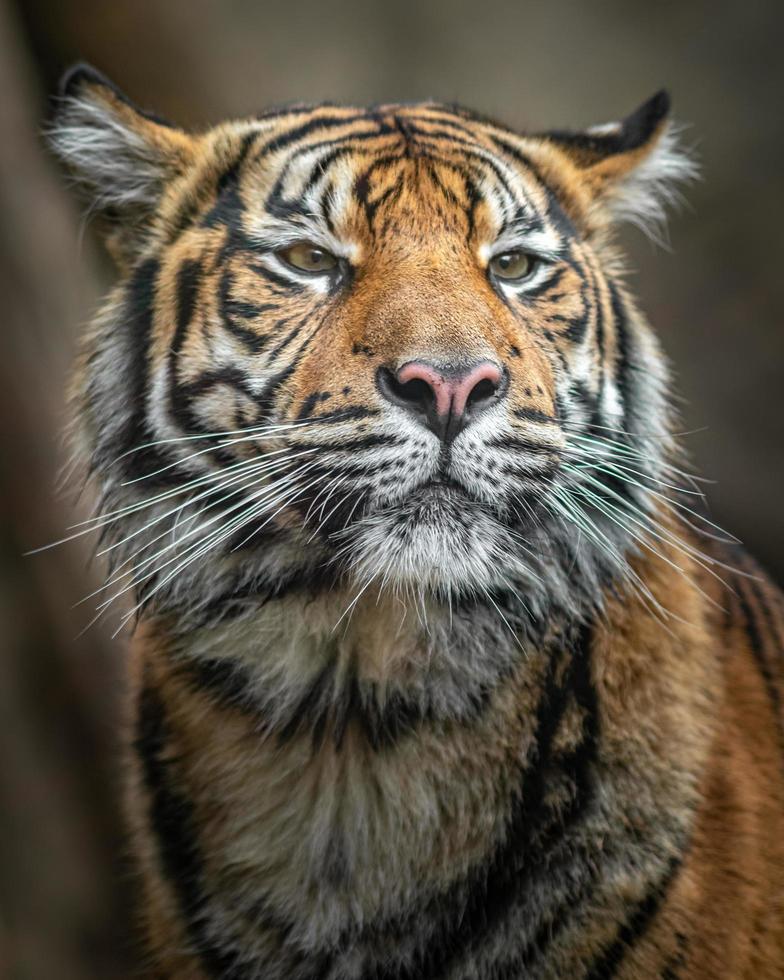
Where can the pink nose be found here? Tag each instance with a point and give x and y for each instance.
(444, 399)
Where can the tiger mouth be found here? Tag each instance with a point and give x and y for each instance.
(441, 487)
(436, 502)
(440, 502)
(434, 499)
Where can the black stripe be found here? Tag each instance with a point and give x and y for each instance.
(634, 929)
(316, 125)
(772, 621)
(476, 160)
(353, 445)
(291, 335)
(551, 928)
(755, 634)
(275, 279)
(308, 404)
(231, 308)
(294, 109)
(516, 442)
(340, 147)
(534, 474)
(553, 280)
(188, 281)
(468, 913)
(138, 315)
(577, 767)
(351, 413)
(599, 320)
(555, 212)
(229, 376)
(238, 599)
(228, 203)
(183, 396)
(173, 823)
(327, 707)
(623, 344)
(265, 399)
(678, 960)
(136, 323)
(180, 395)
(429, 118)
(284, 207)
(533, 415)
(576, 326)
(391, 194)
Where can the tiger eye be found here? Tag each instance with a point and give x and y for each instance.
(511, 265)
(309, 258)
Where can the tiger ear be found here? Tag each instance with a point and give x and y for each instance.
(120, 156)
(631, 167)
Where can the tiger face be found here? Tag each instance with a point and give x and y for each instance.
(387, 347)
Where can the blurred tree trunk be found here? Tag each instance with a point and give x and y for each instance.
(62, 876)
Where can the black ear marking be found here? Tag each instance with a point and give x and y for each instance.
(622, 137)
(633, 166)
(82, 73)
(638, 127)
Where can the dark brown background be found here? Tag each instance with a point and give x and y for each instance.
(716, 299)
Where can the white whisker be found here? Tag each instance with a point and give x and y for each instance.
(257, 507)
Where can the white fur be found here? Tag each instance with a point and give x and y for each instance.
(117, 165)
(643, 195)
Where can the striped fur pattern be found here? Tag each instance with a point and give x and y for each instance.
(495, 706)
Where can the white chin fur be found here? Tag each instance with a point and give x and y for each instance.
(436, 543)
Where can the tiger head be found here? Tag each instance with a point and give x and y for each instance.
(384, 347)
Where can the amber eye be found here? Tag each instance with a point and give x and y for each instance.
(309, 258)
(512, 265)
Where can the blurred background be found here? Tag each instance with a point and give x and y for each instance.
(716, 299)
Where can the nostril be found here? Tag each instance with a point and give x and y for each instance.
(415, 393)
(482, 393)
(478, 389)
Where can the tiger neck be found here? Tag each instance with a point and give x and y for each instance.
(344, 811)
(319, 665)
(322, 665)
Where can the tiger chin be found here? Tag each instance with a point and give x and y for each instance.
(440, 670)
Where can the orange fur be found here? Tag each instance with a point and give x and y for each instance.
(457, 731)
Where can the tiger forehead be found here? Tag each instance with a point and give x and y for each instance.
(413, 123)
(425, 161)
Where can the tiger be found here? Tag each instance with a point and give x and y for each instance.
(438, 666)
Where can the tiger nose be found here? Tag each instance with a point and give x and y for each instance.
(444, 399)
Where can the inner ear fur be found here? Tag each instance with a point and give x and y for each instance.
(121, 156)
(627, 170)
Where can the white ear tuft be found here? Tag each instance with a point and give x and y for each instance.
(632, 168)
(121, 156)
(115, 165)
(643, 194)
